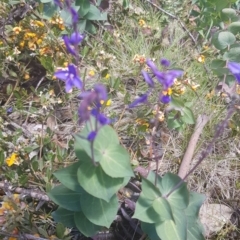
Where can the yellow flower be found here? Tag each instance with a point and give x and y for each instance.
(26, 76)
(141, 23)
(21, 44)
(17, 30)
(107, 76)
(201, 59)
(29, 35)
(39, 23)
(107, 103)
(167, 92)
(13, 159)
(91, 73)
(32, 46)
(39, 41)
(142, 122)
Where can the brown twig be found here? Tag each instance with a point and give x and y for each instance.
(219, 130)
(26, 192)
(186, 162)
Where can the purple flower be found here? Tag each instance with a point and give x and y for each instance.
(148, 79)
(164, 62)
(91, 105)
(91, 136)
(72, 41)
(76, 38)
(70, 78)
(58, 3)
(165, 98)
(235, 70)
(74, 15)
(142, 99)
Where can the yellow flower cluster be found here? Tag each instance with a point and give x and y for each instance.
(13, 159)
(142, 23)
(57, 22)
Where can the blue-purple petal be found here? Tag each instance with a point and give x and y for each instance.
(235, 70)
(91, 136)
(61, 74)
(148, 79)
(164, 62)
(76, 38)
(165, 98)
(139, 100)
(101, 91)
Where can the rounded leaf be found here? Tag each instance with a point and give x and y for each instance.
(98, 211)
(234, 28)
(232, 55)
(84, 225)
(229, 14)
(222, 40)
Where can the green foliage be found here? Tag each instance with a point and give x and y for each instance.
(180, 115)
(87, 196)
(221, 14)
(169, 216)
(86, 10)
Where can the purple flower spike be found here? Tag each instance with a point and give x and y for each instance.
(75, 38)
(91, 136)
(69, 47)
(58, 3)
(164, 62)
(74, 15)
(148, 79)
(152, 65)
(142, 99)
(235, 70)
(165, 98)
(70, 77)
(101, 91)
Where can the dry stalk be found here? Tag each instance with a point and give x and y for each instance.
(186, 162)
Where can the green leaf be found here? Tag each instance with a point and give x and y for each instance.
(179, 199)
(232, 55)
(84, 7)
(234, 27)
(195, 202)
(149, 190)
(168, 230)
(84, 225)
(144, 210)
(150, 230)
(98, 211)
(217, 63)
(163, 208)
(187, 116)
(65, 198)
(106, 136)
(229, 14)
(68, 177)
(60, 230)
(222, 40)
(49, 9)
(95, 14)
(90, 27)
(64, 216)
(194, 229)
(96, 182)
(115, 161)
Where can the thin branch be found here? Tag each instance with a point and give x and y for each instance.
(186, 162)
(26, 192)
(174, 17)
